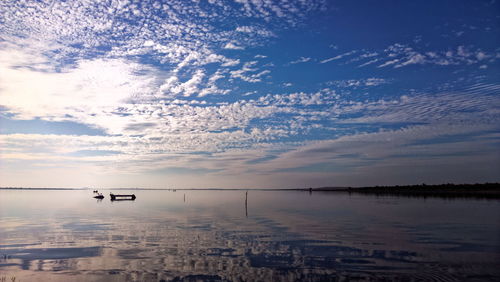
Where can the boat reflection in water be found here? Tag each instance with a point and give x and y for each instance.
(228, 235)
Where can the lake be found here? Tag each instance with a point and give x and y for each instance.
(66, 235)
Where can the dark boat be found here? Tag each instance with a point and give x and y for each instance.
(121, 197)
(99, 197)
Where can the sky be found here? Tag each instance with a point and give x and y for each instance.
(248, 93)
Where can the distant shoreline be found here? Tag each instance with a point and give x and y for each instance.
(483, 190)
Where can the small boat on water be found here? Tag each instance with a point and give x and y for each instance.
(100, 196)
(116, 197)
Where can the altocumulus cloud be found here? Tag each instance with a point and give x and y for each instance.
(220, 89)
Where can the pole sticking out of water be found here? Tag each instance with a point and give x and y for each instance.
(246, 204)
(184, 197)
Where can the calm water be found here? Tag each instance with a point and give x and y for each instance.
(280, 236)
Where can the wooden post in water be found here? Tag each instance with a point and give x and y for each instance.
(246, 204)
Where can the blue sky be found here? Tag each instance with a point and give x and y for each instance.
(241, 94)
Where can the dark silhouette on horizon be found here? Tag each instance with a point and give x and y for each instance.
(122, 197)
(445, 191)
(99, 196)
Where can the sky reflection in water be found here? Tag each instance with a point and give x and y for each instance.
(61, 235)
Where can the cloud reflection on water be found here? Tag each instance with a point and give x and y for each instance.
(287, 236)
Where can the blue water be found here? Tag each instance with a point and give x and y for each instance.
(277, 236)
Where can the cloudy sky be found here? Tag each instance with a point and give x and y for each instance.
(248, 93)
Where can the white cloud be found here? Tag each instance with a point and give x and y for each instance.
(149, 43)
(301, 60)
(181, 32)
(247, 29)
(481, 56)
(250, 93)
(156, 133)
(216, 76)
(426, 108)
(259, 30)
(248, 72)
(400, 55)
(388, 63)
(233, 46)
(322, 97)
(190, 86)
(355, 83)
(85, 92)
(337, 57)
(292, 12)
(80, 61)
(368, 63)
(414, 58)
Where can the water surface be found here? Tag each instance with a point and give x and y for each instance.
(277, 236)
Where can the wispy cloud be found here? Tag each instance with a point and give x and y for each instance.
(300, 60)
(338, 57)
